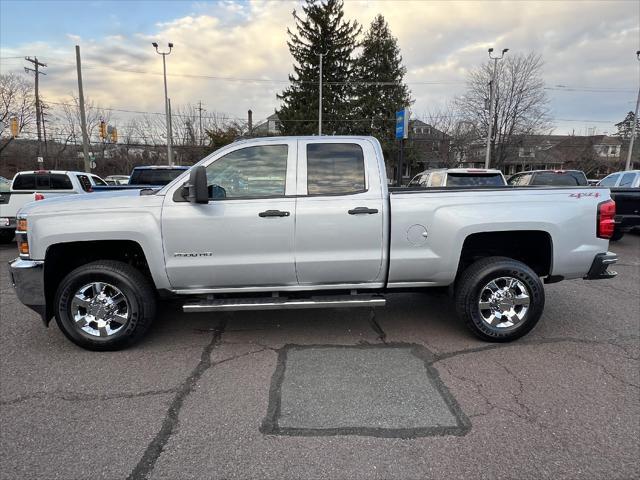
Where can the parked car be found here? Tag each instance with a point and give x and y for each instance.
(558, 178)
(458, 177)
(153, 176)
(117, 179)
(625, 190)
(32, 185)
(303, 222)
(626, 179)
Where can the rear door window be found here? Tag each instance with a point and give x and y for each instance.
(627, 180)
(60, 181)
(335, 169)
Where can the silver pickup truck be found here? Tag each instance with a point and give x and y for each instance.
(303, 222)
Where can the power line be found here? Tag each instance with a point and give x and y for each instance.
(559, 88)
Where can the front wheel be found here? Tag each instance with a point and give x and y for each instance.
(105, 305)
(499, 299)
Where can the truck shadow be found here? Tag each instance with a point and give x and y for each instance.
(406, 316)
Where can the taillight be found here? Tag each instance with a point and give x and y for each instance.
(38, 196)
(606, 219)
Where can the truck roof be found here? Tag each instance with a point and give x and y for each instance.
(462, 170)
(162, 167)
(62, 172)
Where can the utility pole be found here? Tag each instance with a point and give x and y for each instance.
(170, 139)
(83, 116)
(200, 116)
(320, 97)
(487, 159)
(37, 73)
(166, 101)
(633, 129)
(44, 107)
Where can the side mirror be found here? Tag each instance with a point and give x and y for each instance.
(197, 186)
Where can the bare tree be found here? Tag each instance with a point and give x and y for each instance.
(461, 133)
(522, 105)
(16, 100)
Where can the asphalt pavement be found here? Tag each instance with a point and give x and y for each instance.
(340, 394)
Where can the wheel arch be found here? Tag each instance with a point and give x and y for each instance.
(534, 248)
(62, 258)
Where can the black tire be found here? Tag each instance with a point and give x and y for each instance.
(469, 290)
(617, 235)
(6, 236)
(136, 288)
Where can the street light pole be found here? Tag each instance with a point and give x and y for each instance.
(487, 158)
(633, 129)
(320, 97)
(166, 102)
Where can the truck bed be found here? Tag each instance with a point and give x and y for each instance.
(428, 225)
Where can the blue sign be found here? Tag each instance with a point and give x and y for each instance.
(402, 124)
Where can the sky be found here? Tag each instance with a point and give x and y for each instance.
(232, 55)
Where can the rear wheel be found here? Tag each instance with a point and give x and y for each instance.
(499, 299)
(105, 305)
(6, 236)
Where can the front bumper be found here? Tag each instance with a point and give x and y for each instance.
(27, 277)
(599, 266)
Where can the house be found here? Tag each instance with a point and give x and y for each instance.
(427, 147)
(270, 126)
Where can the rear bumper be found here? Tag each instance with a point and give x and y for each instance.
(599, 266)
(7, 223)
(27, 277)
(627, 222)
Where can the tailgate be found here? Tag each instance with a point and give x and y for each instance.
(627, 200)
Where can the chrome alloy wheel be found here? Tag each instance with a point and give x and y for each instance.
(99, 309)
(504, 302)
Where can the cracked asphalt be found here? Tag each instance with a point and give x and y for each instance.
(190, 400)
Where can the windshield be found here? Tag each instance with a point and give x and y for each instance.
(475, 179)
(154, 176)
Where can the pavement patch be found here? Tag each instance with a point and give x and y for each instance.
(386, 390)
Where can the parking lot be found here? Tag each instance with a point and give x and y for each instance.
(405, 393)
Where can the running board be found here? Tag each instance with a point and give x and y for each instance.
(277, 303)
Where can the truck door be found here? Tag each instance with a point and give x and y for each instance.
(244, 236)
(339, 213)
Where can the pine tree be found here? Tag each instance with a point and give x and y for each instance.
(322, 29)
(380, 90)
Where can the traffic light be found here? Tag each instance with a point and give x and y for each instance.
(14, 127)
(114, 135)
(103, 130)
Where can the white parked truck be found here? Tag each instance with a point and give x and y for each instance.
(303, 222)
(33, 185)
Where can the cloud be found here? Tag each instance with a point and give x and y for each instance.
(584, 44)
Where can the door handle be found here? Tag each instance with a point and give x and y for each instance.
(363, 210)
(273, 213)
